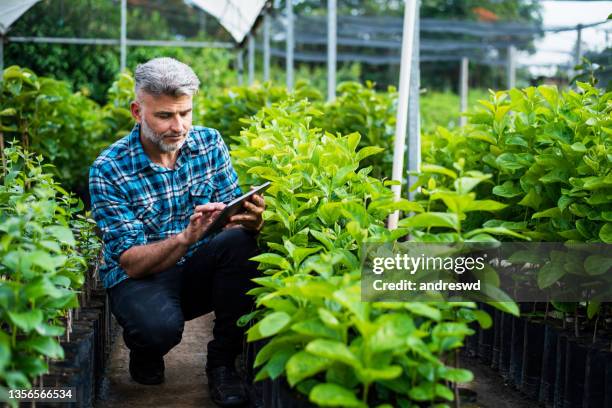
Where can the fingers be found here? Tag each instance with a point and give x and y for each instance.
(258, 200)
(252, 208)
(243, 217)
(195, 217)
(208, 207)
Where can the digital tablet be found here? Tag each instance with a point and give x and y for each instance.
(234, 207)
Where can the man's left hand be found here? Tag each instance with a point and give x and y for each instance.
(252, 218)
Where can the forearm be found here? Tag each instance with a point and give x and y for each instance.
(140, 261)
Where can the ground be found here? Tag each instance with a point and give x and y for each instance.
(186, 384)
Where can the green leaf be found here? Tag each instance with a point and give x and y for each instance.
(433, 168)
(483, 318)
(46, 346)
(45, 329)
(303, 365)
(314, 328)
(63, 234)
(532, 200)
(26, 321)
(333, 350)
(328, 318)
(334, 395)
(593, 309)
(605, 233)
(553, 212)
(431, 219)
(464, 185)
(379, 374)
(368, 151)
(273, 323)
(422, 392)
(508, 190)
(549, 274)
(507, 307)
(597, 265)
(484, 205)
(457, 375)
(422, 309)
(272, 259)
(508, 162)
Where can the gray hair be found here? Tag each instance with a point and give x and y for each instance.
(165, 76)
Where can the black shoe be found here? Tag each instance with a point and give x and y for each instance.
(145, 370)
(226, 387)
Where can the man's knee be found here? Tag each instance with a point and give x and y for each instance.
(154, 334)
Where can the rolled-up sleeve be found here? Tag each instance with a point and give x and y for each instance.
(120, 228)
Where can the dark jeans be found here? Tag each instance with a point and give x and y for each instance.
(153, 310)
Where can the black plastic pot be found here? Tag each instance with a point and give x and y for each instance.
(549, 361)
(471, 342)
(78, 354)
(280, 395)
(485, 339)
(595, 378)
(64, 377)
(575, 364)
(532, 358)
(516, 353)
(497, 336)
(608, 379)
(505, 345)
(560, 371)
(93, 315)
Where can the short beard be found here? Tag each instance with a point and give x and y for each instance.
(158, 138)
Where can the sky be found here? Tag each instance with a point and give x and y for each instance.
(553, 48)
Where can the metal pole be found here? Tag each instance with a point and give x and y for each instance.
(266, 47)
(414, 115)
(410, 12)
(511, 66)
(331, 49)
(289, 44)
(251, 42)
(1, 56)
(463, 89)
(123, 33)
(578, 44)
(240, 65)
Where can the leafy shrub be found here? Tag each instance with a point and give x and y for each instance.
(360, 108)
(321, 207)
(47, 118)
(46, 247)
(227, 110)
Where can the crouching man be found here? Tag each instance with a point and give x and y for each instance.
(153, 193)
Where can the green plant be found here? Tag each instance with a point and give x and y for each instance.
(47, 118)
(321, 208)
(45, 248)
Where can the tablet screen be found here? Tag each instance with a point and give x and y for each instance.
(234, 207)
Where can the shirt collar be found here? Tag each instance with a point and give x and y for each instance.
(140, 160)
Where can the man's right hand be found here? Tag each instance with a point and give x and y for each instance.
(202, 217)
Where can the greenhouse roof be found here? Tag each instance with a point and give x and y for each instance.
(237, 16)
(11, 10)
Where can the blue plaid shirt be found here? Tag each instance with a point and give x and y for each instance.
(135, 201)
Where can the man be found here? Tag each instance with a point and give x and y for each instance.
(153, 194)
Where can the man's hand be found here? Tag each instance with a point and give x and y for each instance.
(251, 219)
(202, 217)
